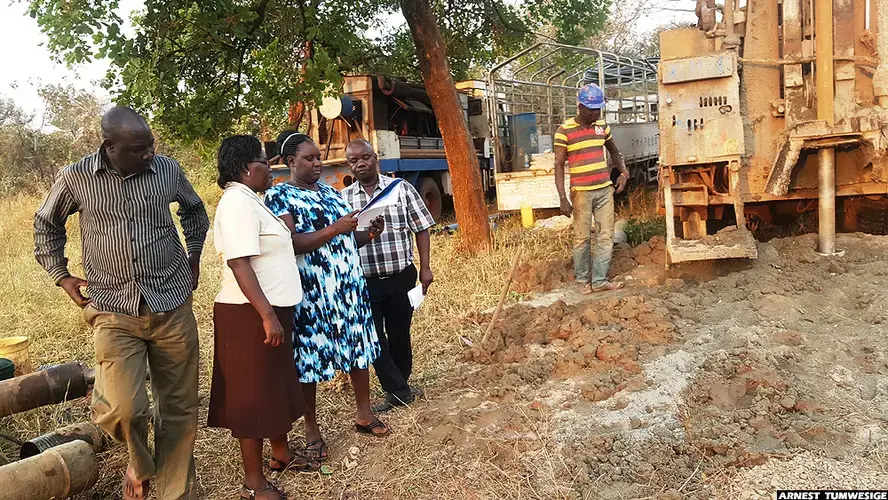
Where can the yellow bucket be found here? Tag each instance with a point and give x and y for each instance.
(16, 349)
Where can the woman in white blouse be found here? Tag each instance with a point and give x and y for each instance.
(255, 390)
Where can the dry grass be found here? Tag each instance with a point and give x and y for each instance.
(639, 203)
(404, 465)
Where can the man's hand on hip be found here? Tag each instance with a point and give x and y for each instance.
(72, 285)
(194, 264)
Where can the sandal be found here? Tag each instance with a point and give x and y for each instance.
(375, 424)
(129, 490)
(251, 494)
(607, 287)
(318, 454)
(299, 463)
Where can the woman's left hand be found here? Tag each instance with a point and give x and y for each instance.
(377, 226)
(274, 331)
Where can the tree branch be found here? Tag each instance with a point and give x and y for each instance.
(260, 18)
(509, 26)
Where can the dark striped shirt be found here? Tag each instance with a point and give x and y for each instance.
(585, 153)
(131, 247)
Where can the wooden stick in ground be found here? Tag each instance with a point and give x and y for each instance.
(502, 299)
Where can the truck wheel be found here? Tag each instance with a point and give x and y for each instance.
(640, 175)
(431, 194)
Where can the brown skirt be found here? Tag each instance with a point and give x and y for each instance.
(256, 391)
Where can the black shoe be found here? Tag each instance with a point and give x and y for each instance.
(391, 402)
(416, 392)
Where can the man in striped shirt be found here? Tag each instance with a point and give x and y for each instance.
(139, 283)
(581, 142)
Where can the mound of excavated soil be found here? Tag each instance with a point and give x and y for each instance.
(546, 276)
(727, 386)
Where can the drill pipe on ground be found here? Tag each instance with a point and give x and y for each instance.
(82, 431)
(60, 472)
(53, 385)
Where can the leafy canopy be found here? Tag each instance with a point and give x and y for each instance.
(202, 68)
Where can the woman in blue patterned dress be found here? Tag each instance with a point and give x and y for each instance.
(333, 326)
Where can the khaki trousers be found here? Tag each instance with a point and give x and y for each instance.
(168, 341)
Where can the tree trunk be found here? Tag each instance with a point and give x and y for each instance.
(468, 198)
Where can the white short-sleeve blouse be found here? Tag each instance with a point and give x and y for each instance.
(244, 227)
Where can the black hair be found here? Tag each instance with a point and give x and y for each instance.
(234, 154)
(120, 119)
(288, 143)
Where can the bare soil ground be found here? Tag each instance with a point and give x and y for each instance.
(755, 376)
(719, 380)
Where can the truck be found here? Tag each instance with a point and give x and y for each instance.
(396, 117)
(769, 109)
(511, 124)
(530, 94)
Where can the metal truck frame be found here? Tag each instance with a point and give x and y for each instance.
(539, 85)
(535, 92)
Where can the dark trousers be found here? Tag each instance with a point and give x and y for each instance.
(392, 314)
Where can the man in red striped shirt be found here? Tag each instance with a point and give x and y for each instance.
(581, 141)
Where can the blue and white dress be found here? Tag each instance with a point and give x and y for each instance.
(333, 326)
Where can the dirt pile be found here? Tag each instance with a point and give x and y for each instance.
(541, 362)
(697, 388)
(594, 336)
(626, 258)
(541, 277)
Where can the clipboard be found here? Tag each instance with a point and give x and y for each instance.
(378, 205)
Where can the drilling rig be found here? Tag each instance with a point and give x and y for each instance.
(769, 108)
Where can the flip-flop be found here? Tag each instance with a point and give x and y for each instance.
(129, 491)
(607, 287)
(309, 465)
(251, 493)
(375, 424)
(318, 454)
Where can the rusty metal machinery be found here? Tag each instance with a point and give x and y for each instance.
(52, 385)
(767, 103)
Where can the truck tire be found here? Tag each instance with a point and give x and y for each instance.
(638, 176)
(430, 192)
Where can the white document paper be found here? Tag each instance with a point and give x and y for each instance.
(377, 206)
(366, 216)
(416, 296)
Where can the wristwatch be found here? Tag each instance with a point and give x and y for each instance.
(624, 174)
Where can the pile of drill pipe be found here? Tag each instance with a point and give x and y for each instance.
(50, 386)
(60, 472)
(87, 432)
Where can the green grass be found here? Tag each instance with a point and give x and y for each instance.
(640, 230)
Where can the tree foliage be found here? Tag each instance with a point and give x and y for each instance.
(201, 68)
(76, 116)
(31, 154)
